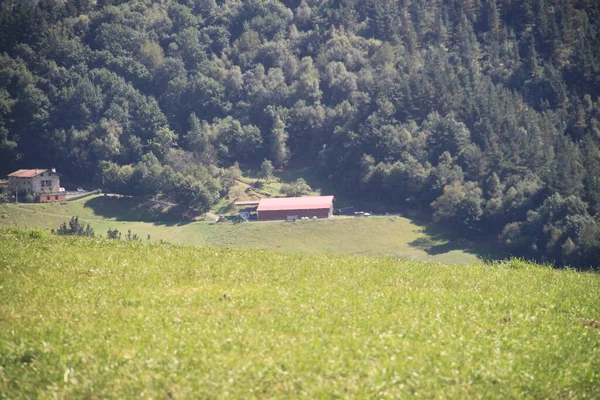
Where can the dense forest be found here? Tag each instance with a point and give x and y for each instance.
(482, 113)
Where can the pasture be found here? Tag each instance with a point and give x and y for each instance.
(94, 318)
(390, 236)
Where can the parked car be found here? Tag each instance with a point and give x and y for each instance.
(80, 189)
(62, 189)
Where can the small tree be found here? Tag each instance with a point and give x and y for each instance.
(75, 228)
(460, 205)
(113, 234)
(266, 169)
(279, 137)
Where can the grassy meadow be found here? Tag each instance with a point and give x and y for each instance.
(390, 236)
(93, 318)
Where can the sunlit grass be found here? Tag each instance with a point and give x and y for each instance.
(90, 317)
(379, 236)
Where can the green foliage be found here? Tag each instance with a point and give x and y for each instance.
(560, 230)
(434, 94)
(194, 187)
(162, 142)
(132, 237)
(113, 234)
(295, 189)
(75, 228)
(193, 193)
(266, 169)
(36, 233)
(460, 204)
(279, 136)
(28, 198)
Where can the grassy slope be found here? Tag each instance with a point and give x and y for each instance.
(385, 236)
(87, 317)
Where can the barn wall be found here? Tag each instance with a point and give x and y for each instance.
(277, 215)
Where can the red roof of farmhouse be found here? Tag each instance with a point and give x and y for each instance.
(27, 173)
(295, 203)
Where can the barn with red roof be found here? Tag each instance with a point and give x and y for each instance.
(290, 208)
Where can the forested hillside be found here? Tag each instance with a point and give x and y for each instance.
(483, 113)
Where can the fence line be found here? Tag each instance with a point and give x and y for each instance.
(83, 195)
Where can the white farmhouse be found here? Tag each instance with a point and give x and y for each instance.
(42, 183)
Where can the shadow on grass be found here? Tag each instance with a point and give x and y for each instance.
(227, 208)
(135, 209)
(442, 240)
(433, 247)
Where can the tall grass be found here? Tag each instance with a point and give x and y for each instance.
(93, 318)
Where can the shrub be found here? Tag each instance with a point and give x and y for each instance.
(266, 169)
(75, 228)
(297, 188)
(35, 233)
(113, 234)
(132, 237)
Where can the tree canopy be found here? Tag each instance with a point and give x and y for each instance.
(477, 112)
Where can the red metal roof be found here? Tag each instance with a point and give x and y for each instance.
(295, 203)
(27, 173)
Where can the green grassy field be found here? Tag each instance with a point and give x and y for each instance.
(92, 318)
(379, 236)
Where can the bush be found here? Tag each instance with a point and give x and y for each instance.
(35, 233)
(132, 237)
(75, 228)
(28, 198)
(113, 234)
(266, 169)
(297, 188)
